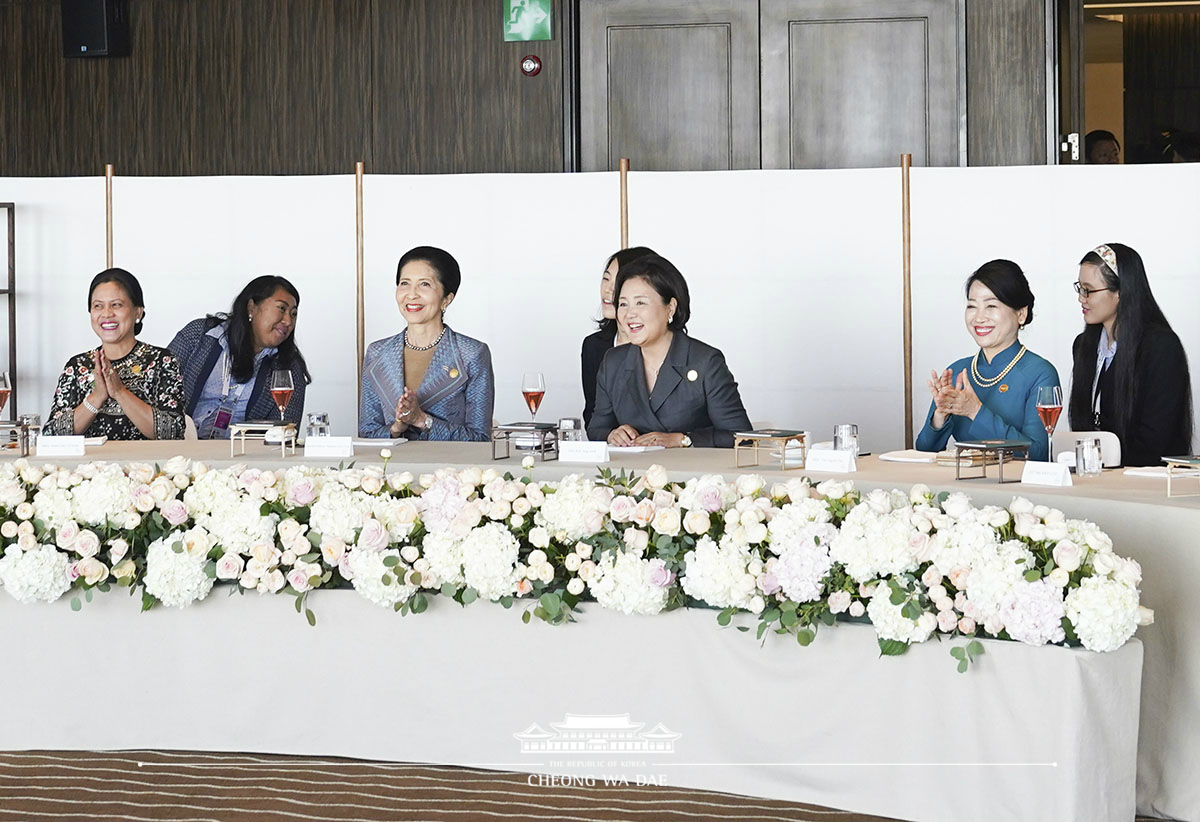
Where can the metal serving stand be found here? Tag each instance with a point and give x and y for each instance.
(1002, 450)
(751, 442)
(541, 436)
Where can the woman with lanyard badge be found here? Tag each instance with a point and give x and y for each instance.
(1130, 372)
(993, 394)
(227, 359)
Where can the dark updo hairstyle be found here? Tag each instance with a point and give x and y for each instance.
(1137, 312)
(129, 283)
(1095, 138)
(240, 335)
(665, 279)
(1006, 280)
(444, 265)
(623, 257)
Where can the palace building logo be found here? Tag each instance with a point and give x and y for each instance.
(597, 733)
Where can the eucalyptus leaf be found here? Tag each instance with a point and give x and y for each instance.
(76, 604)
(1033, 575)
(892, 647)
(311, 617)
(469, 595)
(805, 636)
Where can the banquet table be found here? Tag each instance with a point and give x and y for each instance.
(781, 699)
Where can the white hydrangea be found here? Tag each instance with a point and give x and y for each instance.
(565, 513)
(1032, 612)
(993, 573)
(709, 493)
(873, 545)
(1103, 612)
(445, 557)
(40, 574)
(369, 572)
(625, 584)
(12, 492)
(339, 511)
(442, 501)
(237, 527)
(176, 579)
(724, 576)
(804, 561)
(962, 543)
(891, 623)
(489, 555)
(103, 498)
(793, 518)
(211, 491)
(53, 506)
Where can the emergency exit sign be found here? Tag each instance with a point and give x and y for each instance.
(527, 20)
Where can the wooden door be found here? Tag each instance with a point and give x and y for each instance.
(854, 83)
(672, 84)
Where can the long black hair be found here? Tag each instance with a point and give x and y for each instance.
(623, 257)
(1137, 312)
(240, 335)
(129, 283)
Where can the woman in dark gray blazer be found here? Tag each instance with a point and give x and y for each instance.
(663, 387)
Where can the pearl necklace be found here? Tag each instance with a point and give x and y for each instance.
(433, 344)
(988, 383)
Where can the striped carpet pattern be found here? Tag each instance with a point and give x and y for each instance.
(149, 786)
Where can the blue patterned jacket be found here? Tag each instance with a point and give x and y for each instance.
(458, 390)
(198, 354)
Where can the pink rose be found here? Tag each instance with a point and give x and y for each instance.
(959, 576)
(966, 625)
(839, 601)
(229, 566)
(373, 536)
(621, 508)
(143, 499)
(710, 499)
(87, 544)
(66, 534)
(343, 567)
(931, 577)
(175, 512)
(947, 621)
(768, 583)
(303, 492)
(298, 578)
(593, 521)
(660, 574)
(663, 499)
(73, 571)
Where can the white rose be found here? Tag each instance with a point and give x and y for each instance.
(26, 542)
(621, 508)
(1129, 572)
(87, 544)
(410, 553)
(140, 472)
(637, 539)
(288, 557)
(546, 572)
(656, 476)
(572, 562)
(1104, 564)
(857, 609)
(583, 550)
(1060, 577)
(1068, 555)
(839, 601)
(288, 530)
(373, 536)
(162, 489)
(919, 493)
(143, 499)
(536, 558)
(25, 510)
(516, 521)
(834, 489)
(25, 527)
(527, 463)
(643, 513)
(332, 550)
(199, 469)
(177, 465)
(229, 566)
(427, 480)
(757, 604)
(575, 586)
(667, 521)
(535, 494)
(756, 533)
(272, 583)
(750, 484)
(92, 570)
(697, 522)
(1145, 616)
(1020, 505)
(521, 506)
(499, 510)
(264, 552)
(539, 537)
(9, 529)
(117, 549)
(587, 570)
(994, 625)
(31, 474)
(372, 483)
(66, 535)
(132, 521)
(181, 481)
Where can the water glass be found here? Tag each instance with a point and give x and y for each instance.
(318, 425)
(1088, 459)
(570, 429)
(845, 438)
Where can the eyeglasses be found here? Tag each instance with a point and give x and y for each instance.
(1086, 292)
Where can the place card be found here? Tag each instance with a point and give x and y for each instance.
(72, 446)
(1054, 474)
(328, 447)
(835, 462)
(589, 452)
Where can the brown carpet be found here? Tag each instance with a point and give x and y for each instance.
(149, 786)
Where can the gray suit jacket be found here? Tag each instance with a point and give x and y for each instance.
(457, 391)
(695, 394)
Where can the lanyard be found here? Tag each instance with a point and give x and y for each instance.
(226, 376)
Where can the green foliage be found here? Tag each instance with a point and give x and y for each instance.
(892, 647)
(967, 654)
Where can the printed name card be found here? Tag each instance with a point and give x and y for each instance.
(589, 452)
(1054, 474)
(60, 446)
(835, 462)
(328, 447)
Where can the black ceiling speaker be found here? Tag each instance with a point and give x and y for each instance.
(95, 28)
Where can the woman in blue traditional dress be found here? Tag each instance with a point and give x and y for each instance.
(427, 382)
(992, 395)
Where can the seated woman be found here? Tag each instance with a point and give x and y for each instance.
(228, 359)
(663, 387)
(610, 333)
(993, 394)
(427, 382)
(1130, 373)
(125, 389)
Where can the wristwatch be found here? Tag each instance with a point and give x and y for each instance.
(427, 423)
(686, 442)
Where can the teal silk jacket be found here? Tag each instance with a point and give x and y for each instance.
(1009, 408)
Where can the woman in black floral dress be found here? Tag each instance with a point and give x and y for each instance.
(125, 389)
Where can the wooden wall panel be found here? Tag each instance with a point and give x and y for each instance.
(280, 87)
(1006, 82)
(1162, 80)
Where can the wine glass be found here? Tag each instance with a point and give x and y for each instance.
(1049, 407)
(533, 387)
(5, 389)
(282, 389)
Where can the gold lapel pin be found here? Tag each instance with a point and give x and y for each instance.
(693, 375)
(1003, 388)
(454, 373)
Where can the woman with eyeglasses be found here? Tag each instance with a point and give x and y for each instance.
(992, 395)
(1130, 373)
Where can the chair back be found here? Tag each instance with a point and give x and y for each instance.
(1110, 444)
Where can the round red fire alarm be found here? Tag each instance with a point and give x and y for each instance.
(531, 65)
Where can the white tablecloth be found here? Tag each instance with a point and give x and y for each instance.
(1030, 734)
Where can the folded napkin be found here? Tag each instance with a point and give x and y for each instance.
(633, 449)
(1158, 471)
(909, 455)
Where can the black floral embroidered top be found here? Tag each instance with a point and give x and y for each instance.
(151, 373)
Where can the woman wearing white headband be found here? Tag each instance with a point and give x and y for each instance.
(1130, 373)
(991, 395)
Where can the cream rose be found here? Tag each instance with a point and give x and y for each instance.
(332, 550)
(229, 566)
(9, 529)
(162, 489)
(25, 510)
(667, 521)
(697, 521)
(124, 570)
(656, 477)
(643, 513)
(372, 483)
(288, 530)
(66, 534)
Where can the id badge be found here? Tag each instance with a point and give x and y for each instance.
(224, 416)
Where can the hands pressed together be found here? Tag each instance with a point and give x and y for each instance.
(626, 435)
(107, 383)
(952, 396)
(408, 413)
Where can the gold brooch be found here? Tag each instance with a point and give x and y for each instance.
(454, 373)
(1003, 388)
(692, 375)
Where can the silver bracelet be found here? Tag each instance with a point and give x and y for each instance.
(90, 407)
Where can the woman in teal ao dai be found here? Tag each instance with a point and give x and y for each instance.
(991, 395)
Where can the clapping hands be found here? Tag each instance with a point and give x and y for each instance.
(952, 397)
